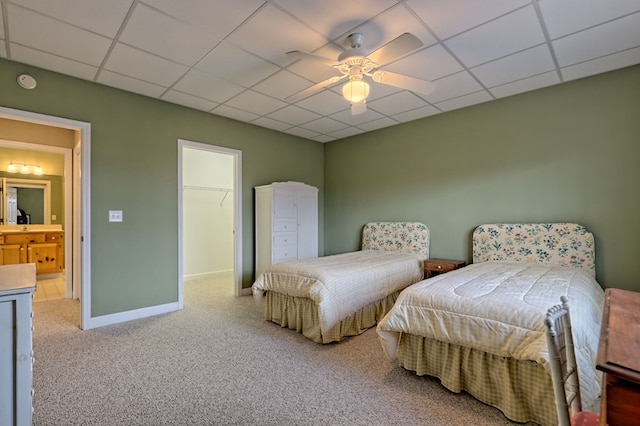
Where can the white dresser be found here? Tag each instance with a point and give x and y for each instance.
(286, 223)
(17, 284)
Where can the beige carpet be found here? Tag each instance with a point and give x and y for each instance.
(217, 362)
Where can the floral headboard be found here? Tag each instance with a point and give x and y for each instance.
(562, 244)
(407, 237)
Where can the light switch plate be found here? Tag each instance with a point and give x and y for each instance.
(115, 215)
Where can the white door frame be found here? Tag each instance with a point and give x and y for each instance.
(237, 213)
(77, 221)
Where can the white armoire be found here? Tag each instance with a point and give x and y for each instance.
(286, 223)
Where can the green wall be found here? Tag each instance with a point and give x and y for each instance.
(564, 153)
(134, 169)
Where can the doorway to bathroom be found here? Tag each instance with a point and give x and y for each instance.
(209, 216)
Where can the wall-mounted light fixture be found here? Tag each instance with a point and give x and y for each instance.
(25, 169)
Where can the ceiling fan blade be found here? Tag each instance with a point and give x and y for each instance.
(316, 87)
(404, 82)
(396, 48)
(303, 55)
(358, 108)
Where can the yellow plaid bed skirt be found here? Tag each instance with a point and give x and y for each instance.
(522, 390)
(301, 314)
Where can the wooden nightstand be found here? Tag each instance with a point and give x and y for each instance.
(434, 267)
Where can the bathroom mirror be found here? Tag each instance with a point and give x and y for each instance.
(32, 196)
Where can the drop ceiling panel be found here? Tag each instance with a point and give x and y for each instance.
(324, 125)
(562, 17)
(144, 66)
(294, 115)
(603, 64)
(37, 31)
(207, 86)
(270, 33)
(524, 64)
(256, 103)
(334, 18)
(429, 64)
(599, 41)
(54, 63)
(130, 84)
(451, 17)
(102, 17)
(165, 36)
(526, 84)
(188, 100)
(216, 17)
(397, 103)
(245, 69)
(282, 84)
(453, 86)
(488, 42)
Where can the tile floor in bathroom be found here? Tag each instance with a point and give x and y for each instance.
(49, 287)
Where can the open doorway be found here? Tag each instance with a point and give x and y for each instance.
(76, 189)
(209, 214)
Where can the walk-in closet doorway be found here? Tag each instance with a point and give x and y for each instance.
(209, 215)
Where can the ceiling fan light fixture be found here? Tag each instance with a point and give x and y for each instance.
(355, 91)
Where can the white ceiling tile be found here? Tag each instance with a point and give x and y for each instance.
(188, 100)
(488, 42)
(378, 124)
(453, 86)
(345, 133)
(376, 91)
(39, 32)
(271, 124)
(236, 114)
(515, 67)
(416, 114)
(323, 138)
(294, 115)
(603, 64)
(324, 103)
(245, 69)
(451, 17)
(271, 33)
(312, 70)
(345, 116)
(52, 62)
(130, 84)
(602, 40)
(282, 84)
(526, 84)
(303, 133)
(157, 33)
(102, 17)
(324, 125)
(390, 24)
(198, 83)
(428, 64)
(465, 101)
(334, 17)
(562, 17)
(217, 17)
(397, 103)
(255, 102)
(144, 66)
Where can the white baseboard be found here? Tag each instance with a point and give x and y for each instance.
(207, 275)
(125, 316)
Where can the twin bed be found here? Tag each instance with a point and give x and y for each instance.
(479, 329)
(332, 297)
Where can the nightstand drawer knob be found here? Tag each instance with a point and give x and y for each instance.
(439, 266)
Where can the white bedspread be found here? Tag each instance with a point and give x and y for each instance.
(343, 283)
(499, 308)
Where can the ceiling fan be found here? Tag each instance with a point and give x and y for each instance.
(356, 64)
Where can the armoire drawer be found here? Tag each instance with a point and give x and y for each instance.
(284, 226)
(282, 239)
(281, 254)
